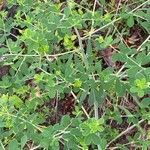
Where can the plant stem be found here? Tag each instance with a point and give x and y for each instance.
(124, 132)
(113, 21)
(97, 117)
(75, 97)
(3, 148)
(82, 49)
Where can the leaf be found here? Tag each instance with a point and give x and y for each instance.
(2, 123)
(124, 49)
(55, 145)
(102, 2)
(77, 83)
(88, 139)
(65, 121)
(141, 93)
(95, 139)
(16, 101)
(92, 139)
(83, 95)
(89, 48)
(92, 97)
(52, 92)
(119, 57)
(134, 89)
(141, 83)
(117, 116)
(13, 145)
(120, 88)
(47, 132)
(130, 21)
(5, 83)
(101, 121)
(45, 142)
(100, 39)
(76, 132)
(24, 139)
(146, 26)
(145, 103)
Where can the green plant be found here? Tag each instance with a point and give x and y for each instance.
(74, 75)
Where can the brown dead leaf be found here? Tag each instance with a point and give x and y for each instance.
(2, 4)
(133, 39)
(107, 56)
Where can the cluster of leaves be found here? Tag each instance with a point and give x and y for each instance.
(82, 49)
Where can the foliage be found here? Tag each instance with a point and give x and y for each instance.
(85, 50)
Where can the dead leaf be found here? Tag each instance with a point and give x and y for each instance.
(2, 4)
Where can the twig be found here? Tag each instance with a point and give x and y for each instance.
(22, 119)
(82, 49)
(96, 114)
(146, 40)
(118, 7)
(113, 21)
(20, 66)
(3, 148)
(94, 6)
(36, 147)
(36, 55)
(139, 48)
(124, 132)
(75, 97)
(97, 117)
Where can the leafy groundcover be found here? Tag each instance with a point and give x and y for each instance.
(74, 74)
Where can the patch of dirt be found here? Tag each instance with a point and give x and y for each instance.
(4, 70)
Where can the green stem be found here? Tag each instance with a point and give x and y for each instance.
(82, 49)
(97, 117)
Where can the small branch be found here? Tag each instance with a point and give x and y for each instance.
(94, 6)
(124, 132)
(24, 120)
(138, 49)
(36, 55)
(82, 49)
(146, 40)
(63, 131)
(118, 7)
(96, 113)
(3, 148)
(97, 117)
(34, 148)
(75, 97)
(113, 21)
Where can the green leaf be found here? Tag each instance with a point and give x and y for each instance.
(13, 145)
(102, 2)
(141, 83)
(24, 139)
(77, 83)
(130, 21)
(55, 144)
(100, 39)
(120, 88)
(16, 101)
(134, 89)
(65, 121)
(141, 93)
(92, 139)
(96, 139)
(124, 49)
(145, 103)
(52, 92)
(88, 139)
(5, 83)
(2, 123)
(45, 142)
